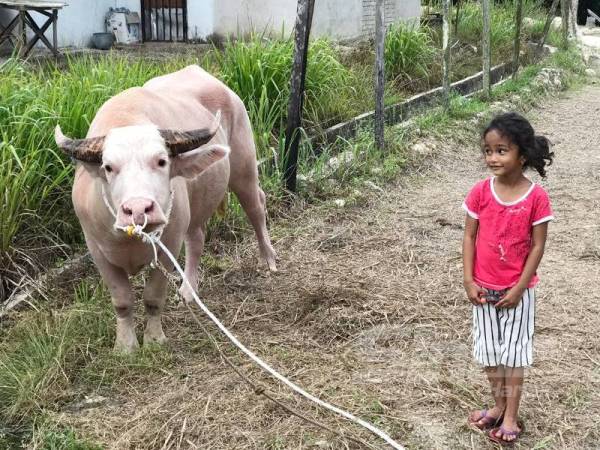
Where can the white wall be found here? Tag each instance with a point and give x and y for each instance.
(201, 15)
(339, 19)
(233, 16)
(78, 20)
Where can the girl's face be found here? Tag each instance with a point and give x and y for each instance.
(501, 155)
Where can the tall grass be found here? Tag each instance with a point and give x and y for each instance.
(537, 30)
(48, 356)
(259, 70)
(409, 51)
(470, 24)
(39, 355)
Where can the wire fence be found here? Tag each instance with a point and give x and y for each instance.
(304, 18)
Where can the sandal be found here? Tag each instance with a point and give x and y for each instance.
(485, 421)
(501, 440)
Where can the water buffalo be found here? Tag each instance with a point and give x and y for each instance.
(164, 153)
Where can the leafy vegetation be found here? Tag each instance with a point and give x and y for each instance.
(409, 51)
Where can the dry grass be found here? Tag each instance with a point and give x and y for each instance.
(368, 312)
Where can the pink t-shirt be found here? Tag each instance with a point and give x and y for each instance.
(504, 234)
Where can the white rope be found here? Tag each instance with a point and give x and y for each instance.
(107, 203)
(137, 229)
(154, 240)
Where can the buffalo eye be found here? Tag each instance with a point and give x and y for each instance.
(162, 162)
(108, 168)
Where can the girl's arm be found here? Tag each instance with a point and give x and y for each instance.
(538, 243)
(473, 291)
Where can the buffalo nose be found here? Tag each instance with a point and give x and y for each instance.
(138, 210)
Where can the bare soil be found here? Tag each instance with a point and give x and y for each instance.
(368, 312)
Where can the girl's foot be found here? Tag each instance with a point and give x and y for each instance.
(507, 433)
(486, 418)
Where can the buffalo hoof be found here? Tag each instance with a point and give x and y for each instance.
(126, 340)
(152, 340)
(272, 266)
(154, 333)
(186, 294)
(126, 347)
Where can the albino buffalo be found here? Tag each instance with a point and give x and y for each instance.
(144, 160)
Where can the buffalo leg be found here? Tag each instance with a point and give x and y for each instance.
(194, 246)
(155, 293)
(117, 282)
(252, 199)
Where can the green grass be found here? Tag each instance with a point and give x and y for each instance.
(49, 358)
(470, 25)
(39, 354)
(48, 436)
(554, 37)
(43, 434)
(409, 52)
(259, 71)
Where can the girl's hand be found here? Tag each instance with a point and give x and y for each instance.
(474, 293)
(511, 299)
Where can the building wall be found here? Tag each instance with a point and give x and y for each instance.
(339, 19)
(78, 20)
(394, 9)
(201, 18)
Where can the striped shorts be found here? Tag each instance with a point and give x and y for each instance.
(504, 336)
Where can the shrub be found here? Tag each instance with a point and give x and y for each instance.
(259, 71)
(408, 51)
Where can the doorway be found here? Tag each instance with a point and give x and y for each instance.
(164, 20)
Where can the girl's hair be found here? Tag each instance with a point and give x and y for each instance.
(534, 149)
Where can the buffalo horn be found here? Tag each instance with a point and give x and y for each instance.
(183, 141)
(86, 150)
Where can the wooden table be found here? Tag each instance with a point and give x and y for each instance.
(46, 8)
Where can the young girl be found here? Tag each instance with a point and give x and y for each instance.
(505, 233)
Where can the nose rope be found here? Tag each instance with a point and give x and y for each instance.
(130, 228)
(154, 241)
(148, 238)
(107, 203)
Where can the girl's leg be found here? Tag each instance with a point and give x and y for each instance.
(487, 351)
(519, 323)
(513, 383)
(496, 377)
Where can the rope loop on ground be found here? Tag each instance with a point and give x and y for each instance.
(154, 241)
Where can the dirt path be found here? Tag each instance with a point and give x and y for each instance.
(368, 311)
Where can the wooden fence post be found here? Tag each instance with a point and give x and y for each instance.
(486, 48)
(446, 50)
(564, 12)
(457, 17)
(547, 25)
(379, 125)
(294, 119)
(517, 48)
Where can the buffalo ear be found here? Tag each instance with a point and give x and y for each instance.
(193, 163)
(85, 150)
(179, 142)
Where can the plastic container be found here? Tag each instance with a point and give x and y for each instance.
(103, 41)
